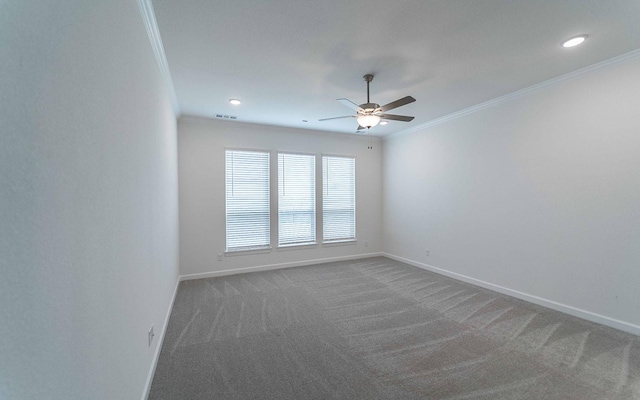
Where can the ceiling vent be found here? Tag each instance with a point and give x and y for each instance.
(221, 116)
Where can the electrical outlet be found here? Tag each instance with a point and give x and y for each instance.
(219, 256)
(151, 335)
(366, 244)
(426, 252)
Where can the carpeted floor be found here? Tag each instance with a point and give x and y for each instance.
(380, 329)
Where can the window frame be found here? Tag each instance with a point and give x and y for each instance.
(262, 249)
(317, 234)
(335, 242)
(274, 206)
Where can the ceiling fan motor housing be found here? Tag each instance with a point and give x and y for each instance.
(368, 108)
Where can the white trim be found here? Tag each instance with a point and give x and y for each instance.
(635, 54)
(576, 312)
(343, 242)
(275, 266)
(156, 353)
(234, 253)
(297, 246)
(150, 23)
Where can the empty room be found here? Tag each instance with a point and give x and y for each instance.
(320, 199)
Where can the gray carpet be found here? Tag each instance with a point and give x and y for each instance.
(380, 329)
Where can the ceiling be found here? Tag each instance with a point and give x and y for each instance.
(289, 60)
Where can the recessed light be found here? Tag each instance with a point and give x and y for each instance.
(383, 123)
(235, 102)
(574, 41)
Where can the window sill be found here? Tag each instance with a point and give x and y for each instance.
(348, 242)
(248, 252)
(301, 246)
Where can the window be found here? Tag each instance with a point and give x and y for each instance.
(248, 206)
(296, 199)
(247, 200)
(338, 198)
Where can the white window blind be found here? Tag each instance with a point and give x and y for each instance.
(296, 199)
(247, 200)
(338, 198)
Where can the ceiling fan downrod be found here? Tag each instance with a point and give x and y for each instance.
(368, 78)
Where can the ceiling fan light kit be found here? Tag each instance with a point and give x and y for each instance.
(368, 121)
(370, 114)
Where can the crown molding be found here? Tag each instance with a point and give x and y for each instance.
(632, 55)
(150, 23)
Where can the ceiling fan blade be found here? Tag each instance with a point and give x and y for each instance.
(360, 128)
(346, 116)
(394, 117)
(350, 104)
(397, 103)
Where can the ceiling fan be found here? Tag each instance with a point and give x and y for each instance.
(369, 114)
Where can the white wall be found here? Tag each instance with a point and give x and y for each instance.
(201, 146)
(88, 210)
(539, 194)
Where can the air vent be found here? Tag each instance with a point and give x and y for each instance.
(221, 116)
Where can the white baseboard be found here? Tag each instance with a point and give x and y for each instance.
(156, 354)
(275, 266)
(576, 312)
